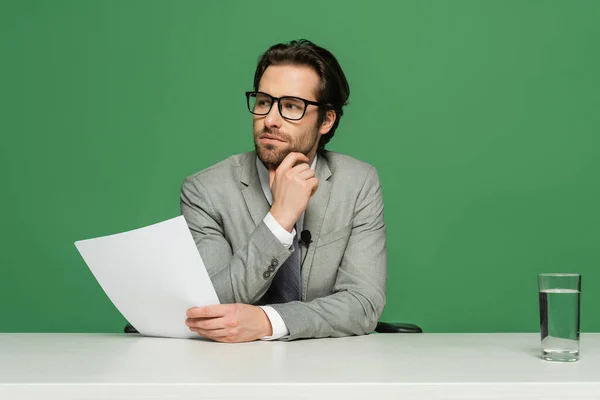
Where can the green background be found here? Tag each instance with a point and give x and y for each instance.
(482, 118)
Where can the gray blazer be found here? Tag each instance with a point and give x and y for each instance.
(344, 269)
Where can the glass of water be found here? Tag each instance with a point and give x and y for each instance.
(560, 296)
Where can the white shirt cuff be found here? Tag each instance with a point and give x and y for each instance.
(286, 238)
(279, 328)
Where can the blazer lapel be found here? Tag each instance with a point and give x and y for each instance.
(252, 191)
(315, 214)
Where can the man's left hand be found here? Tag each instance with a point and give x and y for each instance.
(231, 323)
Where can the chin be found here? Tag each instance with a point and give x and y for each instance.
(270, 155)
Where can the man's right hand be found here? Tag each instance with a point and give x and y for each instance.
(293, 185)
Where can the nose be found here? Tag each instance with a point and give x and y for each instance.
(273, 118)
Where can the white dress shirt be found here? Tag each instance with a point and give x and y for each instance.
(286, 238)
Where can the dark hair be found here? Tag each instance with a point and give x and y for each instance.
(333, 91)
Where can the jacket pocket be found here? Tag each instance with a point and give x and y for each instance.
(341, 233)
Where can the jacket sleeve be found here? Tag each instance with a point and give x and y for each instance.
(242, 276)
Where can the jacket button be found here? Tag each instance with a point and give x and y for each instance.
(274, 262)
(266, 275)
(271, 269)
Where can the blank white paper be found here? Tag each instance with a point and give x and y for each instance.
(153, 275)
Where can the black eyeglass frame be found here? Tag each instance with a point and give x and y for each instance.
(278, 99)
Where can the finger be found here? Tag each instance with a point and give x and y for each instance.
(212, 311)
(307, 174)
(292, 159)
(211, 334)
(300, 167)
(206, 323)
(314, 182)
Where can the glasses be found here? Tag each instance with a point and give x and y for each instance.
(290, 107)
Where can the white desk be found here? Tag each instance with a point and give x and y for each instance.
(378, 366)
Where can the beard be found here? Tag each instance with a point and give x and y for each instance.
(273, 155)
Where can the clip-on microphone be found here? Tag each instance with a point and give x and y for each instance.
(305, 237)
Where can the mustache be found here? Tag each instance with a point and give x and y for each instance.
(274, 132)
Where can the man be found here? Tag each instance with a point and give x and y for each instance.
(292, 235)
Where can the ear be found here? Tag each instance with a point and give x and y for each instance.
(327, 122)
